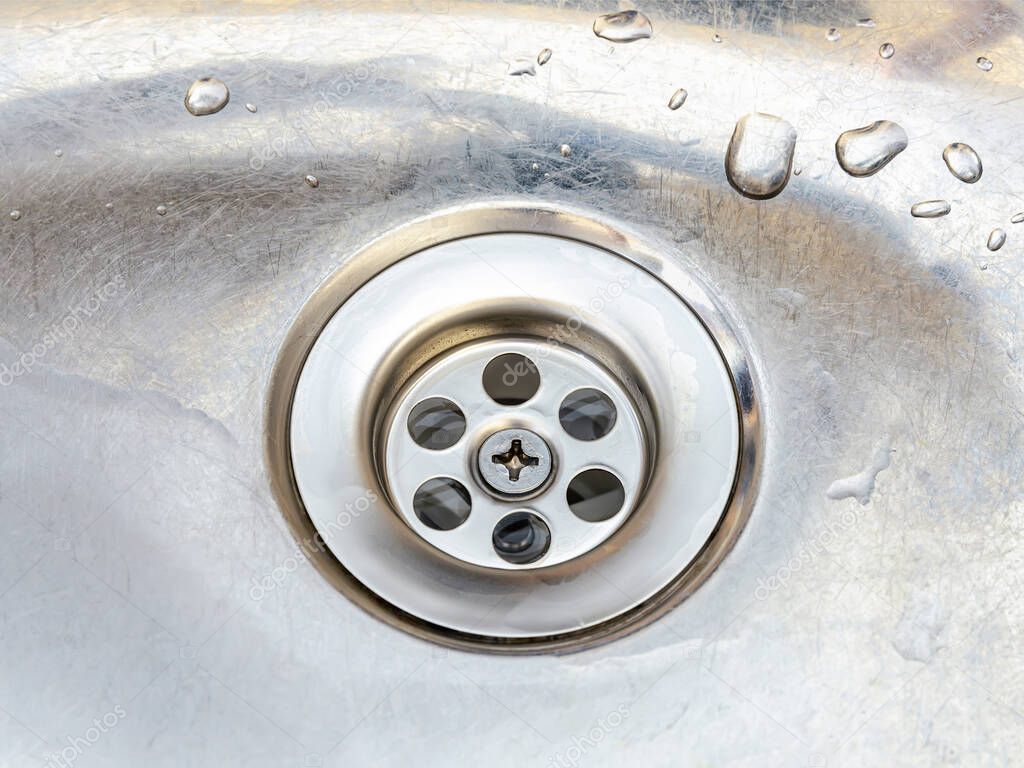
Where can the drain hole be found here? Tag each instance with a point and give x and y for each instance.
(521, 538)
(595, 495)
(587, 414)
(511, 379)
(436, 423)
(441, 503)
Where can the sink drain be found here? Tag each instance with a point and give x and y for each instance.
(559, 426)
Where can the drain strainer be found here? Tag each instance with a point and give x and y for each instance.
(554, 427)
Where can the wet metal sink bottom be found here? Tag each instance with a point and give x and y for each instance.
(482, 429)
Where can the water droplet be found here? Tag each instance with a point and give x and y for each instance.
(109, 206)
(865, 151)
(15, 214)
(544, 56)
(870, 23)
(1017, 218)
(760, 155)
(832, 35)
(678, 99)
(996, 239)
(887, 50)
(716, 38)
(251, 107)
(565, 150)
(984, 64)
(206, 96)
(929, 209)
(797, 171)
(312, 181)
(963, 162)
(58, 153)
(161, 209)
(522, 67)
(623, 27)
(535, 166)
(983, 266)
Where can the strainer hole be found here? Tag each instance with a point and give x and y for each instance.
(442, 503)
(511, 379)
(436, 423)
(595, 495)
(587, 414)
(521, 538)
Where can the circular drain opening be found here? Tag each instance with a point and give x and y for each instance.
(589, 374)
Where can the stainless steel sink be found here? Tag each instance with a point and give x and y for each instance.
(159, 603)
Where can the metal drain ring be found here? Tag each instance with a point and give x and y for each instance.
(520, 624)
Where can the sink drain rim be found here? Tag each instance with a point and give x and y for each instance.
(503, 216)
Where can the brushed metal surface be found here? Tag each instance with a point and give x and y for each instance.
(154, 606)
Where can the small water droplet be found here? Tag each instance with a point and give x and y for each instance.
(760, 155)
(206, 96)
(565, 150)
(996, 239)
(521, 67)
(870, 23)
(984, 64)
(929, 209)
(623, 26)
(1017, 218)
(887, 50)
(535, 166)
(312, 181)
(983, 266)
(716, 38)
(797, 171)
(865, 151)
(15, 214)
(161, 209)
(832, 35)
(109, 206)
(544, 56)
(251, 107)
(58, 153)
(678, 99)
(963, 162)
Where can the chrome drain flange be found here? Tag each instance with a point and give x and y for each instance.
(558, 425)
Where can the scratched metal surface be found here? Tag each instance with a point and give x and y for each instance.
(135, 508)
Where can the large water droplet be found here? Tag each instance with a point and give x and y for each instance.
(996, 239)
(832, 35)
(930, 209)
(865, 151)
(161, 210)
(887, 50)
(544, 56)
(522, 67)
(58, 153)
(985, 65)
(1017, 218)
(15, 214)
(565, 150)
(206, 96)
(870, 23)
(623, 27)
(716, 38)
(312, 181)
(760, 155)
(251, 107)
(678, 99)
(963, 162)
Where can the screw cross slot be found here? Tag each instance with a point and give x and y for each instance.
(515, 460)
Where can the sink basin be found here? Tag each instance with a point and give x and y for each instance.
(158, 604)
